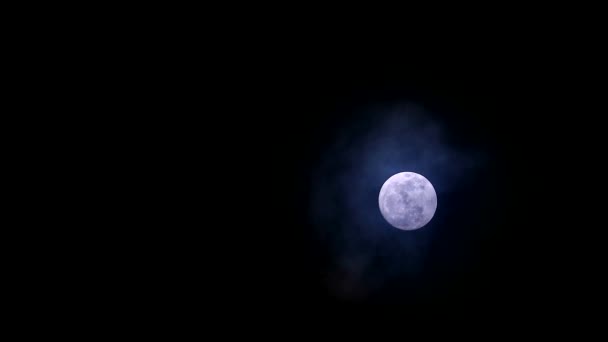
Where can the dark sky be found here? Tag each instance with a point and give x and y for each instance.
(359, 132)
(314, 146)
(297, 150)
(490, 150)
(241, 161)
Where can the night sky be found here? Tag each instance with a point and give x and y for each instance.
(306, 143)
(320, 142)
(236, 161)
(355, 139)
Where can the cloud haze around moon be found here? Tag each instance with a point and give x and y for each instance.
(365, 252)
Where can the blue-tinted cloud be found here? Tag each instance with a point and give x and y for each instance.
(365, 250)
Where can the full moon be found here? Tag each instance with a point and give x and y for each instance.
(407, 201)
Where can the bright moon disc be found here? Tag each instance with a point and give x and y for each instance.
(407, 201)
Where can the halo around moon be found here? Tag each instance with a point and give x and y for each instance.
(407, 201)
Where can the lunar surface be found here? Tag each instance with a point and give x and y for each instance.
(407, 201)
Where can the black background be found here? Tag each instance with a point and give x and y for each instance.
(205, 135)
